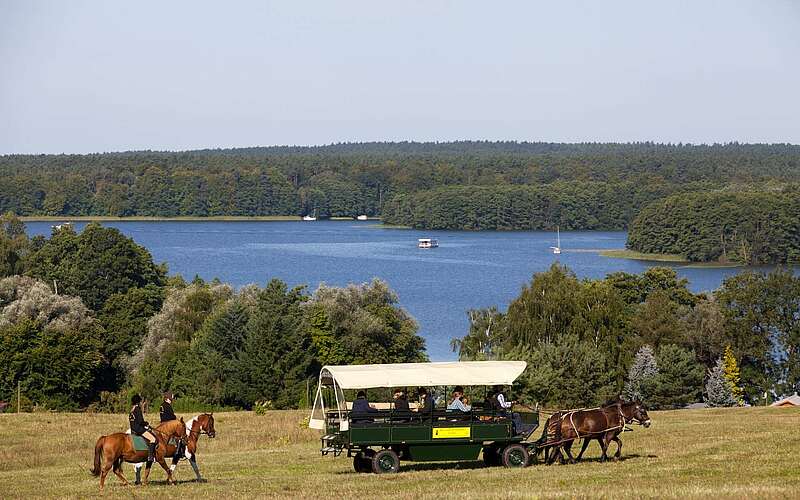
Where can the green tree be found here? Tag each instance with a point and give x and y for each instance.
(277, 357)
(366, 321)
(545, 309)
(95, 264)
(679, 380)
(566, 373)
(14, 245)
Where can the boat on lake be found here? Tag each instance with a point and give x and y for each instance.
(557, 248)
(361, 217)
(311, 217)
(427, 243)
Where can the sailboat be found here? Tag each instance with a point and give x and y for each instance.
(557, 248)
(311, 217)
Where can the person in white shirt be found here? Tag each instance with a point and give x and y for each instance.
(458, 402)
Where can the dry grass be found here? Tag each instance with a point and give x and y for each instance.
(653, 257)
(748, 452)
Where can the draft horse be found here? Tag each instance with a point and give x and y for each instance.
(603, 424)
(197, 426)
(110, 451)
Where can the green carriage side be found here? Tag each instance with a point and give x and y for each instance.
(379, 440)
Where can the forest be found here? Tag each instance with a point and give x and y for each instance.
(646, 336)
(569, 184)
(750, 227)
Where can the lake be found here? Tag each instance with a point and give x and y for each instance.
(437, 286)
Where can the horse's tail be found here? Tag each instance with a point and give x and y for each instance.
(98, 451)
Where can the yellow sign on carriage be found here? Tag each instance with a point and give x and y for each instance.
(451, 432)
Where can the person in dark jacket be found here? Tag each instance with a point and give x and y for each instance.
(140, 427)
(165, 411)
(361, 407)
(400, 401)
(425, 401)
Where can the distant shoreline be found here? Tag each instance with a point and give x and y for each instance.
(663, 257)
(137, 218)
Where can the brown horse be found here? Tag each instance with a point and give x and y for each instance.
(197, 426)
(631, 411)
(603, 424)
(110, 451)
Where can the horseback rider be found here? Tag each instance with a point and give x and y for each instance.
(166, 413)
(140, 427)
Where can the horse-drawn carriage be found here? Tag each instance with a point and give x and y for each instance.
(379, 439)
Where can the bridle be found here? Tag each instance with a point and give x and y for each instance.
(201, 429)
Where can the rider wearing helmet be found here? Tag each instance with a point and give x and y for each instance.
(140, 427)
(166, 413)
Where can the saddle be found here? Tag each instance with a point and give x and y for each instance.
(140, 443)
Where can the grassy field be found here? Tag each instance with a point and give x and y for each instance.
(747, 452)
(654, 257)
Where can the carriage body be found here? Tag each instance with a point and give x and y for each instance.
(440, 435)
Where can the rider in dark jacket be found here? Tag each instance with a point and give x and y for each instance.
(166, 412)
(140, 427)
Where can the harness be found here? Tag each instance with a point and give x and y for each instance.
(571, 413)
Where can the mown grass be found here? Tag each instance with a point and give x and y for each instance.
(655, 257)
(746, 452)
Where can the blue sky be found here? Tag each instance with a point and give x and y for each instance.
(86, 76)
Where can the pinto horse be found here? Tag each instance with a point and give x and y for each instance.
(110, 451)
(603, 424)
(201, 424)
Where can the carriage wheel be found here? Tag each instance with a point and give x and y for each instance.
(491, 456)
(385, 461)
(515, 456)
(362, 462)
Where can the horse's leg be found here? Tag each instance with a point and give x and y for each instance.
(583, 448)
(604, 448)
(193, 463)
(163, 464)
(138, 468)
(568, 450)
(104, 472)
(147, 468)
(118, 472)
(618, 454)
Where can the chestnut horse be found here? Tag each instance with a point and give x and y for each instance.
(201, 424)
(603, 424)
(110, 451)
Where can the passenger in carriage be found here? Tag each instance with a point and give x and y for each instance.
(503, 407)
(362, 408)
(400, 401)
(425, 401)
(459, 402)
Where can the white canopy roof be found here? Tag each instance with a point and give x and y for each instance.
(423, 374)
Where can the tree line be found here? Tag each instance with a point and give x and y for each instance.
(646, 336)
(748, 227)
(85, 319)
(355, 179)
